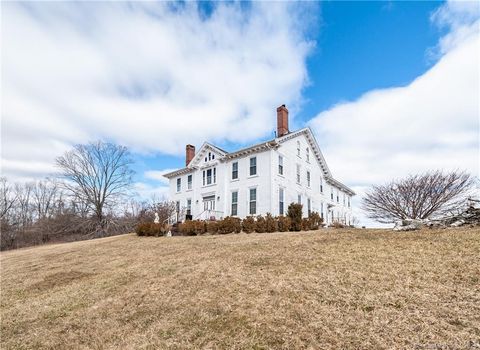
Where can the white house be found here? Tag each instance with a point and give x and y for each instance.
(263, 178)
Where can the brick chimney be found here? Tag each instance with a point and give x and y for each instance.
(189, 154)
(282, 121)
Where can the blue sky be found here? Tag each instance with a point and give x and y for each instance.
(389, 88)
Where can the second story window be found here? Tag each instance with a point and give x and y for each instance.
(253, 166)
(234, 170)
(298, 148)
(338, 198)
(299, 199)
(308, 178)
(189, 182)
(309, 206)
(179, 184)
(210, 176)
(280, 165)
(331, 193)
(349, 201)
(298, 173)
(308, 154)
(321, 185)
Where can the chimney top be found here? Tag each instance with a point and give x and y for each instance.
(282, 121)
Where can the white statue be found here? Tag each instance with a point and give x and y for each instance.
(157, 219)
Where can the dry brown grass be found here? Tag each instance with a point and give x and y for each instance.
(331, 289)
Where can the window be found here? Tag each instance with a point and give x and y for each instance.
(209, 176)
(253, 201)
(280, 165)
(309, 206)
(189, 207)
(321, 210)
(331, 193)
(189, 182)
(177, 206)
(349, 201)
(298, 173)
(214, 175)
(308, 178)
(344, 199)
(338, 198)
(299, 199)
(321, 185)
(253, 166)
(281, 194)
(234, 170)
(308, 154)
(235, 203)
(209, 156)
(298, 148)
(179, 184)
(204, 178)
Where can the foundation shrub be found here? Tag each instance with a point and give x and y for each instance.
(294, 212)
(212, 227)
(315, 220)
(284, 223)
(192, 227)
(229, 225)
(337, 224)
(151, 229)
(260, 224)
(248, 224)
(305, 224)
(271, 224)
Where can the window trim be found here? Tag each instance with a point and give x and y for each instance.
(281, 201)
(253, 166)
(250, 201)
(234, 203)
(189, 183)
(234, 171)
(179, 184)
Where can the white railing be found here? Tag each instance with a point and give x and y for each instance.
(210, 215)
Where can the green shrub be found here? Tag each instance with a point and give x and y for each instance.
(248, 224)
(151, 229)
(212, 227)
(260, 224)
(284, 223)
(315, 220)
(271, 224)
(294, 212)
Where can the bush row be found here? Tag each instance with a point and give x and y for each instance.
(260, 224)
(151, 229)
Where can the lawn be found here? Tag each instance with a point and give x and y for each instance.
(330, 289)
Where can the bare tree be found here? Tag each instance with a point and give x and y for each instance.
(24, 212)
(97, 174)
(8, 198)
(45, 195)
(423, 196)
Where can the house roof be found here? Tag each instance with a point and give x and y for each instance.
(262, 146)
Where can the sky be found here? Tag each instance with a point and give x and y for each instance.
(389, 88)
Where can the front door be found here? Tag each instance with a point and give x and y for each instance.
(209, 203)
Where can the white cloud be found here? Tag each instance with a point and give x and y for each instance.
(432, 123)
(158, 175)
(152, 76)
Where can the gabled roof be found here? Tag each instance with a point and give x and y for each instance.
(263, 146)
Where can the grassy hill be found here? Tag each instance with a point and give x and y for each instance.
(331, 289)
